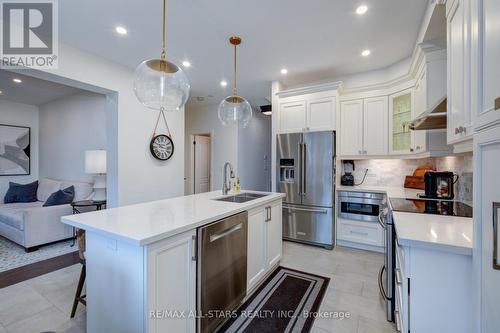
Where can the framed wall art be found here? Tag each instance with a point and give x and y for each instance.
(15, 147)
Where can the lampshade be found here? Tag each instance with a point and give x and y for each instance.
(235, 110)
(161, 85)
(95, 161)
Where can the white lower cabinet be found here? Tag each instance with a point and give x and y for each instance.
(433, 291)
(171, 289)
(264, 242)
(361, 235)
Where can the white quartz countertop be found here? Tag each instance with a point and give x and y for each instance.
(437, 232)
(145, 223)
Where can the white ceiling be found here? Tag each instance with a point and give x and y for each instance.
(32, 90)
(315, 39)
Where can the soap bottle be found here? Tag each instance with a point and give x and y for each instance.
(238, 185)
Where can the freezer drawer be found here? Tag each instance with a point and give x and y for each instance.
(308, 224)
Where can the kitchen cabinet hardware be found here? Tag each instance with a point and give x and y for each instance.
(496, 209)
(194, 255)
(497, 103)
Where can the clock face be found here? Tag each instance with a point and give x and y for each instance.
(162, 147)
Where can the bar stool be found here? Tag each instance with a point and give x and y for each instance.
(79, 298)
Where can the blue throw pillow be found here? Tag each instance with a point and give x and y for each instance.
(21, 192)
(61, 197)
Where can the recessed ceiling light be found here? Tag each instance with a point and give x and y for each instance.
(121, 30)
(186, 63)
(223, 83)
(1, 92)
(361, 10)
(284, 71)
(16, 80)
(366, 53)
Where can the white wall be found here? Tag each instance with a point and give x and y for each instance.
(202, 119)
(133, 174)
(68, 127)
(21, 115)
(254, 153)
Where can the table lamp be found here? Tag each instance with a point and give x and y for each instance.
(95, 163)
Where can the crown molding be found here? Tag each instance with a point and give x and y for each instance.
(311, 89)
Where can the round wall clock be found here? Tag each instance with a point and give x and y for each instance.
(161, 147)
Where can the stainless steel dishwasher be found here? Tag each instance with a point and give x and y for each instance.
(222, 269)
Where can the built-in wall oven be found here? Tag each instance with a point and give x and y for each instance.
(361, 206)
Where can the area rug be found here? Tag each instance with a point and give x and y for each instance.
(287, 302)
(14, 256)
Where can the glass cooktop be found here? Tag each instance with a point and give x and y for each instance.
(437, 207)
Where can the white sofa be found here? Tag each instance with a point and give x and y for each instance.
(30, 225)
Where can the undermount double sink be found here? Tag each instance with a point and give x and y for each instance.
(242, 197)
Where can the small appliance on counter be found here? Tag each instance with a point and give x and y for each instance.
(347, 178)
(439, 185)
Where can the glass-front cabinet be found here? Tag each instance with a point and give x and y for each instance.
(401, 114)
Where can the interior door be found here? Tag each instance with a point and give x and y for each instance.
(317, 180)
(289, 166)
(201, 164)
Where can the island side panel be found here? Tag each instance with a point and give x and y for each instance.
(440, 291)
(115, 285)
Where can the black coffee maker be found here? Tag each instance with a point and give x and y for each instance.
(439, 185)
(347, 178)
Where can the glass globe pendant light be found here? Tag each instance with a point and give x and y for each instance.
(235, 110)
(160, 84)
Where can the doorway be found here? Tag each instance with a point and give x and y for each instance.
(201, 148)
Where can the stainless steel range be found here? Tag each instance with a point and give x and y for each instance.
(306, 174)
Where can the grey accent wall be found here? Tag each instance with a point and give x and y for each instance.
(68, 127)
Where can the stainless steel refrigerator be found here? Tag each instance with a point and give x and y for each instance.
(306, 174)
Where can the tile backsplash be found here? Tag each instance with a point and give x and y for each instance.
(392, 172)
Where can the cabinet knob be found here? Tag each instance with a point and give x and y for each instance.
(497, 103)
(418, 147)
(412, 150)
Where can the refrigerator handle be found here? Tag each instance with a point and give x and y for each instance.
(299, 164)
(303, 157)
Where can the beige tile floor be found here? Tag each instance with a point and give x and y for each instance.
(44, 303)
(353, 287)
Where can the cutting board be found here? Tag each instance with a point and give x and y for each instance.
(416, 180)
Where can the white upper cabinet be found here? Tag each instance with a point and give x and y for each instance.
(308, 109)
(401, 112)
(321, 114)
(486, 64)
(351, 128)
(375, 126)
(363, 127)
(292, 117)
(459, 66)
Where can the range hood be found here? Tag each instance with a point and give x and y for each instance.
(434, 118)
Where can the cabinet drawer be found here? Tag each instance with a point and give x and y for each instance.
(360, 232)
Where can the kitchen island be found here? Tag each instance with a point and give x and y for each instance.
(142, 259)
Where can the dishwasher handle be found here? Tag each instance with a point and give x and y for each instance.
(225, 232)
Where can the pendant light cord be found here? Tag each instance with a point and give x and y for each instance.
(235, 92)
(163, 43)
